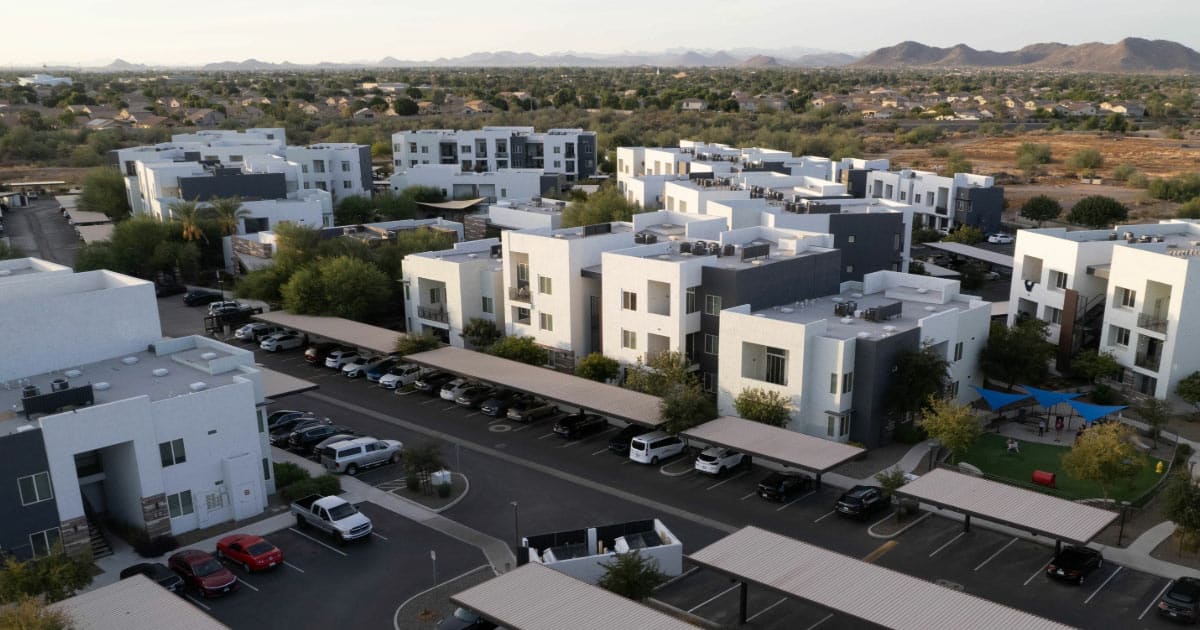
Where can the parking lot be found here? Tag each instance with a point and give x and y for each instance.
(559, 484)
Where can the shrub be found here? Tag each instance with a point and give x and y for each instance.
(287, 473)
(1084, 159)
(1124, 171)
(1097, 211)
(443, 490)
(1102, 394)
(328, 485)
(1183, 452)
(300, 489)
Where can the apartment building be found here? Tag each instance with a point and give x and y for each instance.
(833, 355)
(942, 203)
(507, 183)
(1125, 290)
(342, 169)
(444, 290)
(567, 152)
(114, 421)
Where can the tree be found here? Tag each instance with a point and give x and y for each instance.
(1181, 504)
(354, 210)
(425, 457)
(304, 292)
(953, 425)
(1103, 455)
(631, 575)
(665, 370)
(603, 206)
(29, 613)
(685, 406)
(518, 348)
(919, 377)
(189, 215)
(1097, 211)
(1155, 413)
(414, 344)
(8, 251)
(1092, 365)
(406, 106)
(54, 577)
(966, 234)
(104, 191)
(598, 367)
(354, 289)
(1086, 159)
(1041, 208)
(228, 214)
(890, 480)
(480, 333)
(767, 407)
(1115, 123)
(1188, 389)
(1020, 353)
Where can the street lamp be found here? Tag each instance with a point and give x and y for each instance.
(516, 526)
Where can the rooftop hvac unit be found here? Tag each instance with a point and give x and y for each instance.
(729, 250)
(59, 384)
(714, 249)
(651, 239)
(685, 247)
(639, 238)
(700, 247)
(29, 391)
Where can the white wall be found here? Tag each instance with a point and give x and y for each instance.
(525, 183)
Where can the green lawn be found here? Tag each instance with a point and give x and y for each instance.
(989, 455)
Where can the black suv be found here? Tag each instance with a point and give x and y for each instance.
(531, 408)
(1074, 563)
(619, 444)
(578, 425)
(780, 487)
(861, 501)
(283, 430)
(158, 572)
(303, 440)
(431, 384)
(196, 297)
(1181, 600)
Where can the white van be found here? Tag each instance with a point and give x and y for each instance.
(654, 446)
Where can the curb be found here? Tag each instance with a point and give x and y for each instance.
(396, 615)
(466, 489)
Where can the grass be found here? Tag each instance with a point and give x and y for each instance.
(989, 455)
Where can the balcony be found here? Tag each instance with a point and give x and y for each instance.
(520, 294)
(1148, 361)
(435, 313)
(1149, 322)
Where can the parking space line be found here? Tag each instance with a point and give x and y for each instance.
(495, 420)
(713, 598)
(473, 414)
(521, 428)
(431, 400)
(1156, 598)
(749, 495)
(380, 536)
(751, 617)
(1040, 570)
(551, 434)
(1103, 584)
(248, 585)
(998, 552)
(334, 550)
(198, 602)
(603, 450)
(450, 408)
(721, 483)
(947, 544)
(789, 503)
(289, 564)
(626, 461)
(822, 620)
(827, 515)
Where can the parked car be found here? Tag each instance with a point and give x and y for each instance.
(376, 371)
(199, 297)
(474, 396)
(303, 440)
(530, 409)
(861, 501)
(282, 341)
(1074, 563)
(1182, 600)
(338, 358)
(780, 487)
(654, 446)
(453, 388)
(432, 383)
(333, 439)
(715, 460)
(358, 366)
(317, 353)
(280, 434)
(578, 425)
(332, 515)
(400, 375)
(224, 306)
(276, 417)
(498, 404)
(203, 572)
(257, 331)
(1001, 239)
(254, 553)
(463, 619)
(158, 572)
(619, 444)
(364, 452)
(165, 289)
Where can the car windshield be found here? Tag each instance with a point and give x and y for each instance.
(208, 567)
(1185, 591)
(462, 614)
(1071, 556)
(342, 511)
(260, 548)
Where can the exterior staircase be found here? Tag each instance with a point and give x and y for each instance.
(100, 546)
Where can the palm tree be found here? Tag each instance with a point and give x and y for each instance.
(188, 213)
(228, 212)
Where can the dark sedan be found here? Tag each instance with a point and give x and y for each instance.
(1074, 563)
(305, 439)
(782, 486)
(197, 297)
(431, 384)
(578, 425)
(619, 444)
(474, 396)
(169, 289)
(531, 408)
(158, 572)
(279, 436)
(861, 501)
(1181, 601)
(498, 404)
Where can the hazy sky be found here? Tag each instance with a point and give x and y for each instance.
(306, 31)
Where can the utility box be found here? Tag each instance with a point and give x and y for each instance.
(1043, 478)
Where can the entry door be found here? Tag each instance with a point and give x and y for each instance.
(245, 500)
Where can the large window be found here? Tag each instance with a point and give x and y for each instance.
(545, 321)
(489, 306)
(1120, 336)
(629, 300)
(710, 344)
(629, 339)
(180, 504)
(776, 366)
(1053, 315)
(837, 425)
(43, 542)
(172, 453)
(1127, 297)
(318, 166)
(1059, 279)
(691, 306)
(35, 488)
(545, 285)
(958, 351)
(847, 382)
(345, 166)
(712, 305)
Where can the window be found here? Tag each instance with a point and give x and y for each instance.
(1128, 297)
(522, 275)
(235, 158)
(958, 348)
(902, 193)
(346, 183)
(318, 166)
(629, 339)
(1120, 336)
(35, 488)
(629, 300)
(557, 164)
(953, 390)
(489, 305)
(710, 344)
(321, 185)
(896, 242)
(412, 147)
(847, 382)
(44, 542)
(345, 166)
(710, 381)
(466, 148)
(833, 382)
(1059, 279)
(917, 198)
(545, 321)
(850, 239)
(266, 469)
(837, 425)
(776, 366)
(557, 150)
(849, 268)
(172, 453)
(545, 285)
(303, 168)
(690, 298)
(424, 149)
(180, 504)
(712, 305)
(1053, 315)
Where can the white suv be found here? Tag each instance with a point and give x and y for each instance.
(717, 459)
(339, 358)
(400, 375)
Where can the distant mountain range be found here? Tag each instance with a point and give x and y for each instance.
(1131, 54)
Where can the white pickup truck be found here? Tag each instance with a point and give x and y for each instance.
(333, 515)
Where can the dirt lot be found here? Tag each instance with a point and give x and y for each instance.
(73, 176)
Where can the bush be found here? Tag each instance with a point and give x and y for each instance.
(1102, 394)
(1123, 172)
(1180, 188)
(287, 473)
(1085, 159)
(1097, 211)
(1183, 452)
(1041, 208)
(328, 485)
(443, 490)
(300, 489)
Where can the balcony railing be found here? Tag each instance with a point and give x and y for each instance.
(520, 294)
(1148, 361)
(434, 313)
(1149, 322)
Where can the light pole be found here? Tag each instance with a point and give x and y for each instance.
(1124, 510)
(516, 526)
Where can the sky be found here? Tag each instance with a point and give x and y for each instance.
(94, 32)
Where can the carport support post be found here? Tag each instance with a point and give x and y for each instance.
(967, 523)
(818, 481)
(742, 592)
(1057, 547)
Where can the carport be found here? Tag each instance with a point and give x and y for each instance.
(978, 253)
(604, 399)
(336, 329)
(1034, 512)
(791, 449)
(534, 597)
(852, 587)
(277, 384)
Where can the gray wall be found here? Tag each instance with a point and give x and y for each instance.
(364, 165)
(246, 186)
(585, 156)
(874, 247)
(980, 207)
(22, 454)
(873, 363)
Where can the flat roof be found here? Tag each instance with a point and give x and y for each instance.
(337, 329)
(534, 597)
(977, 253)
(608, 400)
(94, 233)
(277, 384)
(135, 603)
(852, 587)
(1031, 511)
(783, 446)
(84, 216)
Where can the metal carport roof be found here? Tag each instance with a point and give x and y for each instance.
(852, 587)
(978, 253)
(1009, 505)
(608, 400)
(345, 331)
(534, 597)
(277, 384)
(782, 446)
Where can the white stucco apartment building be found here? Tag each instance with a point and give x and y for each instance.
(507, 183)
(941, 202)
(446, 289)
(567, 152)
